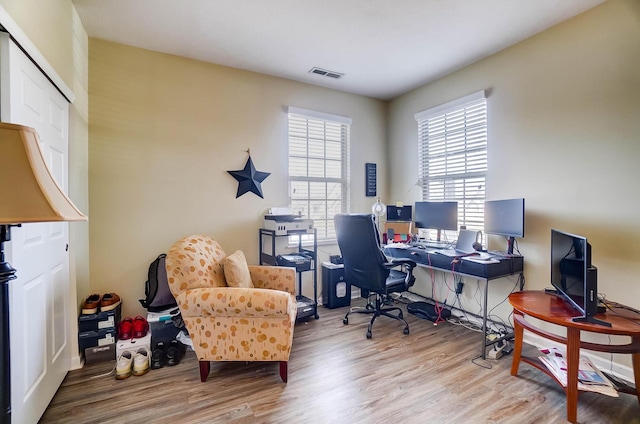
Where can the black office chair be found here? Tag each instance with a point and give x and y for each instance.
(366, 267)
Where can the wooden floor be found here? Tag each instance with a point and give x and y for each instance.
(336, 375)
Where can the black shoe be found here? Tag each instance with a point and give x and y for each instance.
(159, 356)
(175, 352)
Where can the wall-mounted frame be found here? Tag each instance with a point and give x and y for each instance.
(370, 179)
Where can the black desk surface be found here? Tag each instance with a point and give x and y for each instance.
(428, 257)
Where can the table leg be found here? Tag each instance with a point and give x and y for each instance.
(635, 360)
(518, 331)
(573, 362)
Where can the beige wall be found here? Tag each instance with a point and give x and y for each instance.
(165, 130)
(564, 133)
(50, 26)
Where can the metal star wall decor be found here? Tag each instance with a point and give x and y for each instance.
(249, 178)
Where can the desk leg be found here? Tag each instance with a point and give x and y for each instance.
(484, 320)
(635, 360)
(518, 331)
(573, 361)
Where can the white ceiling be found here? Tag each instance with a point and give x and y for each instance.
(384, 48)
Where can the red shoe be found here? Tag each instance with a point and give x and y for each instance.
(140, 327)
(125, 329)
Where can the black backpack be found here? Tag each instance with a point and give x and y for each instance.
(156, 288)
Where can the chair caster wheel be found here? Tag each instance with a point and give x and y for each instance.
(400, 315)
(317, 316)
(345, 321)
(405, 331)
(369, 335)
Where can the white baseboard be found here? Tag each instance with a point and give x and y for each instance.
(77, 362)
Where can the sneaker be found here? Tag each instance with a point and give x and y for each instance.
(123, 365)
(175, 352)
(125, 329)
(109, 302)
(141, 362)
(159, 356)
(91, 304)
(140, 327)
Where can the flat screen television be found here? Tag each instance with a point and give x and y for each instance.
(505, 218)
(436, 216)
(573, 275)
(399, 213)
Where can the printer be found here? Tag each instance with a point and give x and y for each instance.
(283, 222)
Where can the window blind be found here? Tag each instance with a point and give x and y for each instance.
(452, 156)
(318, 167)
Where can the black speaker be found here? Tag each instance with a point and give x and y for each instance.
(336, 292)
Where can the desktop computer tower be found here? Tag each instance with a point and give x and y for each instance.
(336, 293)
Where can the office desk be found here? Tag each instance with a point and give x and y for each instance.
(556, 310)
(427, 258)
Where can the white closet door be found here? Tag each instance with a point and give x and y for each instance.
(39, 309)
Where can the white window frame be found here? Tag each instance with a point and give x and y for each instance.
(452, 156)
(310, 129)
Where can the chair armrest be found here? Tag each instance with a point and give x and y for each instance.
(400, 261)
(273, 277)
(235, 302)
(407, 267)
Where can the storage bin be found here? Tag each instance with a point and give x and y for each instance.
(162, 326)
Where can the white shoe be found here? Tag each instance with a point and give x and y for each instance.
(123, 365)
(141, 362)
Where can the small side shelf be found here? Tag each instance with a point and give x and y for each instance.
(306, 307)
(620, 385)
(558, 311)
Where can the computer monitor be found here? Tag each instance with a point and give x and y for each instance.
(437, 216)
(505, 218)
(398, 213)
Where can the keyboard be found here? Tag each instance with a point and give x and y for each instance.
(453, 253)
(397, 245)
(430, 244)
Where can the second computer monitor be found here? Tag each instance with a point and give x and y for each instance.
(398, 213)
(505, 218)
(437, 215)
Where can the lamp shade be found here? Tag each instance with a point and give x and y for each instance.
(29, 191)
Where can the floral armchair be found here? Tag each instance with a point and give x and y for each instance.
(233, 311)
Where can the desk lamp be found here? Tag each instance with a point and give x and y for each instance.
(378, 209)
(29, 194)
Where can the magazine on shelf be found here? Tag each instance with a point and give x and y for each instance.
(589, 377)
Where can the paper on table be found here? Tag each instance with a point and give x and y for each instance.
(480, 260)
(589, 377)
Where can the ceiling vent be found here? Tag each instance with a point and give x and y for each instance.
(325, 73)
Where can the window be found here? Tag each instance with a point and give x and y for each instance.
(318, 167)
(452, 156)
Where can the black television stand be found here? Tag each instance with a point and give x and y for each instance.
(591, 320)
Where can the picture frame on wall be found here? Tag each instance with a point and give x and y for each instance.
(370, 179)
